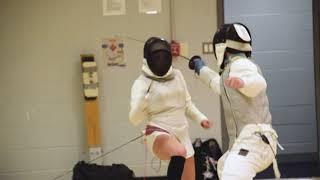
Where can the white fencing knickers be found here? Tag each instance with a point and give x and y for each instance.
(249, 154)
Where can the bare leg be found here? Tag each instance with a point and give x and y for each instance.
(166, 146)
(189, 172)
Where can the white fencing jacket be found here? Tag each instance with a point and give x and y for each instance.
(244, 69)
(167, 104)
(243, 106)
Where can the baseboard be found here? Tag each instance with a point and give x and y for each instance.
(295, 166)
(151, 178)
(305, 157)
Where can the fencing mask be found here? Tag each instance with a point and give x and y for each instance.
(157, 52)
(234, 38)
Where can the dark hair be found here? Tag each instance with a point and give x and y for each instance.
(235, 51)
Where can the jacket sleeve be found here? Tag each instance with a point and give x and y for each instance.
(192, 112)
(210, 78)
(254, 83)
(138, 103)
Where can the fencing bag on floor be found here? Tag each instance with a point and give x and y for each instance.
(207, 154)
(85, 171)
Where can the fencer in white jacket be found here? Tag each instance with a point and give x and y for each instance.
(160, 97)
(242, 87)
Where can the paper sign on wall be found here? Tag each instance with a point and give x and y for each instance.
(114, 7)
(113, 51)
(150, 6)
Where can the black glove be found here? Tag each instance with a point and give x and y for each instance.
(196, 63)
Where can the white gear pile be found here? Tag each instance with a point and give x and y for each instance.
(90, 79)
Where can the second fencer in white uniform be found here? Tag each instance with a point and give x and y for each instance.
(242, 87)
(160, 96)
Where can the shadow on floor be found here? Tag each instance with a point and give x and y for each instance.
(288, 170)
(293, 170)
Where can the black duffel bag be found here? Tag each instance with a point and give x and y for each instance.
(85, 171)
(206, 156)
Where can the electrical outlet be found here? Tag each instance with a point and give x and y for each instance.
(207, 48)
